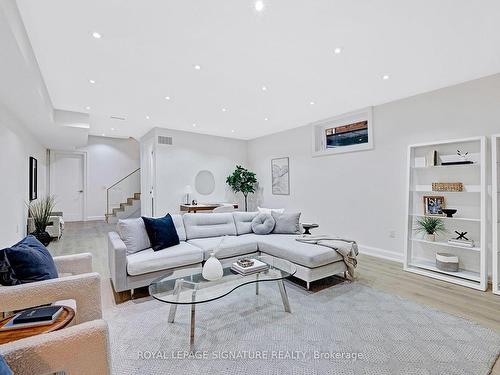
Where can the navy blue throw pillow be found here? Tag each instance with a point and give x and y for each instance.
(25, 262)
(161, 232)
(4, 368)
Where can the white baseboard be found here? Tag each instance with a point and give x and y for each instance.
(381, 253)
(94, 218)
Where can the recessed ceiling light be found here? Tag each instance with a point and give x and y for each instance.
(259, 5)
(112, 128)
(87, 108)
(103, 134)
(385, 77)
(337, 50)
(224, 109)
(91, 81)
(265, 119)
(264, 88)
(311, 103)
(147, 117)
(197, 67)
(194, 125)
(96, 35)
(167, 97)
(232, 130)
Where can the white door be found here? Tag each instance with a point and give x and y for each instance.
(67, 184)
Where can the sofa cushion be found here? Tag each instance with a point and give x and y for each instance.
(149, 260)
(285, 246)
(209, 225)
(133, 234)
(25, 262)
(286, 223)
(161, 232)
(232, 245)
(263, 224)
(179, 226)
(243, 222)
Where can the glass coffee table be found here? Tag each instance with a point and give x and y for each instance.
(178, 289)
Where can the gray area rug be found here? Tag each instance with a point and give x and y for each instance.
(345, 329)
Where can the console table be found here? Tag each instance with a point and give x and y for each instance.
(201, 207)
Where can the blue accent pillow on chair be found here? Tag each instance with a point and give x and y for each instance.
(161, 232)
(25, 262)
(4, 367)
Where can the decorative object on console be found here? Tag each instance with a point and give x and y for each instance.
(280, 176)
(430, 226)
(242, 180)
(263, 223)
(161, 232)
(188, 191)
(449, 211)
(194, 202)
(40, 211)
(33, 178)
(308, 226)
(433, 205)
(447, 262)
(448, 186)
(25, 262)
(212, 269)
(460, 159)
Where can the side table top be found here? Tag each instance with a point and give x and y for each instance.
(20, 333)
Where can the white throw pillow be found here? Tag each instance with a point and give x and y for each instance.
(133, 234)
(263, 210)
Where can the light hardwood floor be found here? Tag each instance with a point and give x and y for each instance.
(482, 307)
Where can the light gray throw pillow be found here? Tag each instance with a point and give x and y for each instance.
(286, 223)
(263, 224)
(133, 234)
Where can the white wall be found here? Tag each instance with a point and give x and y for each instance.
(361, 195)
(109, 160)
(176, 166)
(16, 146)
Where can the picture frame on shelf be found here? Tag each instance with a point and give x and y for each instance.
(433, 205)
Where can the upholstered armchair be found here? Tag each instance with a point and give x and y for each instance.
(83, 347)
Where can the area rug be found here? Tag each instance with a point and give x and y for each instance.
(345, 329)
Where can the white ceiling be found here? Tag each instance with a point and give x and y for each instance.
(148, 50)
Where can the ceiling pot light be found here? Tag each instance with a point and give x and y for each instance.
(147, 117)
(265, 119)
(232, 131)
(311, 103)
(167, 97)
(224, 109)
(87, 108)
(194, 125)
(91, 81)
(103, 134)
(96, 35)
(385, 77)
(259, 5)
(113, 129)
(337, 50)
(197, 67)
(264, 88)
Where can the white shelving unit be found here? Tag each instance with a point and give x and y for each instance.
(471, 215)
(495, 192)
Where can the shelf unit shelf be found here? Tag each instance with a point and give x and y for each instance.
(420, 253)
(495, 190)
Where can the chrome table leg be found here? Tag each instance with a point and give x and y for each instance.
(173, 306)
(284, 296)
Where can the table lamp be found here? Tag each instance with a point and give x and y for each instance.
(187, 191)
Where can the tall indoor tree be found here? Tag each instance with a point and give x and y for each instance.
(242, 180)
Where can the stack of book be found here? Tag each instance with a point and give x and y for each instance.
(38, 316)
(248, 266)
(463, 243)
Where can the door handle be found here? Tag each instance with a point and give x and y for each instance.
(80, 191)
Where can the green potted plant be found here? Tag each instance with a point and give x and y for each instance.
(242, 180)
(40, 211)
(430, 226)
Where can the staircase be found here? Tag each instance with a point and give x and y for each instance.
(131, 208)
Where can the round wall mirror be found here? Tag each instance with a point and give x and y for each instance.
(204, 182)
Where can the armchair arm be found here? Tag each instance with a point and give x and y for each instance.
(117, 259)
(74, 264)
(84, 289)
(79, 349)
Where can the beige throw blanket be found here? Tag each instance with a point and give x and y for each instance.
(348, 249)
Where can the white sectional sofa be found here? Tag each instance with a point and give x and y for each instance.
(200, 234)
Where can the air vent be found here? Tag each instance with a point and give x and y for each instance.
(163, 140)
(117, 118)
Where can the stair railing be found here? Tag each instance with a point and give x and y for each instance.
(127, 177)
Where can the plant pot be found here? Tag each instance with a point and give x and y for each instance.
(43, 237)
(430, 237)
(212, 270)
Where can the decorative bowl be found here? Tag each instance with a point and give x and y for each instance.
(449, 211)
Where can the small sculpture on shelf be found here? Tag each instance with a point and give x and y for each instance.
(461, 240)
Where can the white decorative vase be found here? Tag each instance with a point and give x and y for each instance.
(212, 270)
(430, 237)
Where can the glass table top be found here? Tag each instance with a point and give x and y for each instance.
(179, 287)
